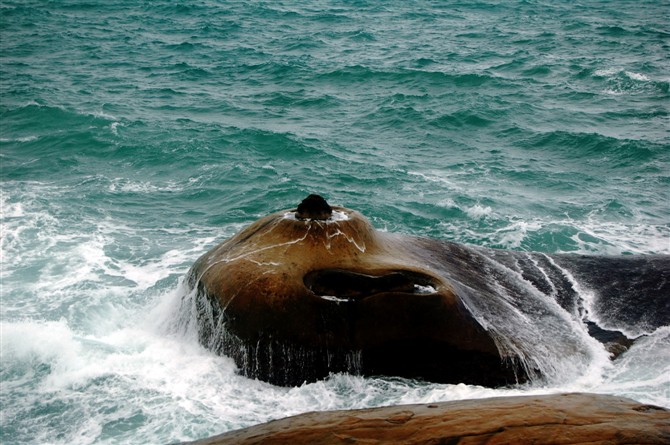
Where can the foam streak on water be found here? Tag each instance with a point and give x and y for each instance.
(136, 135)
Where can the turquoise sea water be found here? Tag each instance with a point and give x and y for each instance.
(135, 135)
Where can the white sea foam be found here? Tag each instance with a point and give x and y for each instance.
(20, 139)
(447, 203)
(616, 237)
(101, 114)
(334, 299)
(588, 236)
(637, 76)
(514, 234)
(337, 215)
(126, 185)
(115, 127)
(437, 177)
(621, 81)
(148, 273)
(419, 289)
(26, 340)
(643, 372)
(612, 72)
(606, 72)
(9, 209)
(478, 211)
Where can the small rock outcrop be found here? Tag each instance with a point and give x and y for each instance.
(314, 207)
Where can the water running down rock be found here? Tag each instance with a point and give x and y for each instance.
(296, 298)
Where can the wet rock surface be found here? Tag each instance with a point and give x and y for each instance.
(304, 293)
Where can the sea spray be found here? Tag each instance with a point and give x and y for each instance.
(532, 315)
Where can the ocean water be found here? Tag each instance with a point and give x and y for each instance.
(136, 135)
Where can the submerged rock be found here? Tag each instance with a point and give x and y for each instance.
(548, 419)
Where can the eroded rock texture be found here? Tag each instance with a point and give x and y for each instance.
(548, 419)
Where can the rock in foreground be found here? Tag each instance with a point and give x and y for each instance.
(549, 419)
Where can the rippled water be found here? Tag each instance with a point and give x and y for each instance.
(136, 135)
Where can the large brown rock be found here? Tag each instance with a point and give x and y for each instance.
(306, 292)
(549, 419)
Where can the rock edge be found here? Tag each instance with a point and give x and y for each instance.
(574, 418)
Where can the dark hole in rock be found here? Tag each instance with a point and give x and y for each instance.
(349, 285)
